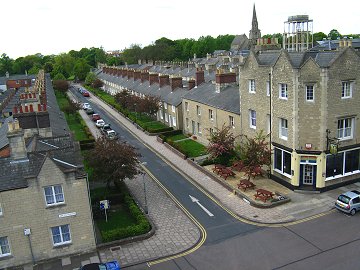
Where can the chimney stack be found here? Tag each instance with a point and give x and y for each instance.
(200, 77)
(163, 80)
(16, 140)
(176, 82)
(144, 76)
(137, 75)
(130, 74)
(153, 78)
(223, 80)
(191, 84)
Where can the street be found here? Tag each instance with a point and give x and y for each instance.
(327, 242)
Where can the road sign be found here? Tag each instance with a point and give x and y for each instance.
(104, 204)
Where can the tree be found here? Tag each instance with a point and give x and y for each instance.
(61, 85)
(6, 64)
(149, 105)
(319, 36)
(90, 78)
(334, 34)
(63, 63)
(81, 69)
(113, 161)
(71, 108)
(97, 83)
(59, 76)
(254, 152)
(123, 98)
(221, 142)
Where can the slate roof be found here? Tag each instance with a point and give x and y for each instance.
(3, 132)
(228, 99)
(14, 174)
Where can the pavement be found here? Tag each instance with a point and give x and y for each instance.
(175, 232)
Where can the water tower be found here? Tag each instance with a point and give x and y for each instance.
(298, 33)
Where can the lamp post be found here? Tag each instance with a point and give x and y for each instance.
(143, 164)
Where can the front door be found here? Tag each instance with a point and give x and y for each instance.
(308, 174)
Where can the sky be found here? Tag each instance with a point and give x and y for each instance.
(58, 26)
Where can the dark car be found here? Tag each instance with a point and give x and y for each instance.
(95, 117)
(89, 111)
(85, 94)
(114, 265)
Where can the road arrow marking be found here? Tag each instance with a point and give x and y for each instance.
(193, 199)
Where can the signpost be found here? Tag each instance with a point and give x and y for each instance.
(104, 205)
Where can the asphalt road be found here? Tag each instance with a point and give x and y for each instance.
(329, 242)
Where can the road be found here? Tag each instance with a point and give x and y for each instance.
(329, 242)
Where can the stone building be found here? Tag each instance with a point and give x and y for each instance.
(308, 102)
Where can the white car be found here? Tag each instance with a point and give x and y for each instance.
(100, 123)
(85, 106)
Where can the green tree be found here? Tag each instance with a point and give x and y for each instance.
(319, 36)
(81, 69)
(6, 64)
(90, 78)
(334, 34)
(64, 63)
(132, 55)
(61, 85)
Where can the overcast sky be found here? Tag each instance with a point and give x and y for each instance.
(56, 26)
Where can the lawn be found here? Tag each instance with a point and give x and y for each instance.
(176, 137)
(191, 148)
(76, 127)
(118, 217)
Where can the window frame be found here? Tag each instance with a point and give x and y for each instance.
(252, 86)
(347, 93)
(268, 88)
(343, 129)
(165, 106)
(199, 128)
(53, 194)
(6, 245)
(283, 88)
(211, 114)
(342, 165)
(251, 119)
(282, 128)
(231, 121)
(186, 106)
(61, 235)
(173, 108)
(282, 171)
(198, 110)
(307, 89)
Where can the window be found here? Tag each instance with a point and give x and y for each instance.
(252, 115)
(54, 195)
(309, 92)
(345, 130)
(198, 111)
(268, 123)
(4, 247)
(211, 114)
(211, 131)
(252, 86)
(186, 106)
(174, 121)
(347, 88)
(199, 128)
(283, 94)
(343, 163)
(61, 235)
(282, 161)
(268, 88)
(166, 117)
(161, 114)
(283, 129)
(165, 106)
(1, 210)
(187, 122)
(231, 121)
(172, 108)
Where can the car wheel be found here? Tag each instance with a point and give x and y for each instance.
(353, 211)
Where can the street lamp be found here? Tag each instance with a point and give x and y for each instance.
(143, 164)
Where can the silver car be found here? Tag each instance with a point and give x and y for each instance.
(349, 202)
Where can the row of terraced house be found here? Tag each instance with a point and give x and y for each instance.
(307, 101)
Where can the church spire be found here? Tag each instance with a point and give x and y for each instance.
(255, 32)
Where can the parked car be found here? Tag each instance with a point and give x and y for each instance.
(105, 128)
(99, 123)
(89, 111)
(85, 106)
(111, 135)
(85, 93)
(349, 202)
(114, 265)
(95, 117)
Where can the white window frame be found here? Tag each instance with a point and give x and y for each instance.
(342, 131)
(187, 106)
(166, 117)
(174, 121)
(252, 86)
(346, 89)
(211, 114)
(53, 195)
(62, 242)
(173, 108)
(7, 246)
(187, 122)
(343, 173)
(199, 128)
(165, 106)
(231, 121)
(252, 119)
(1, 210)
(161, 114)
(282, 163)
(283, 91)
(309, 88)
(198, 110)
(268, 88)
(283, 129)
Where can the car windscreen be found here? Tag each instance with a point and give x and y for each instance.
(344, 199)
